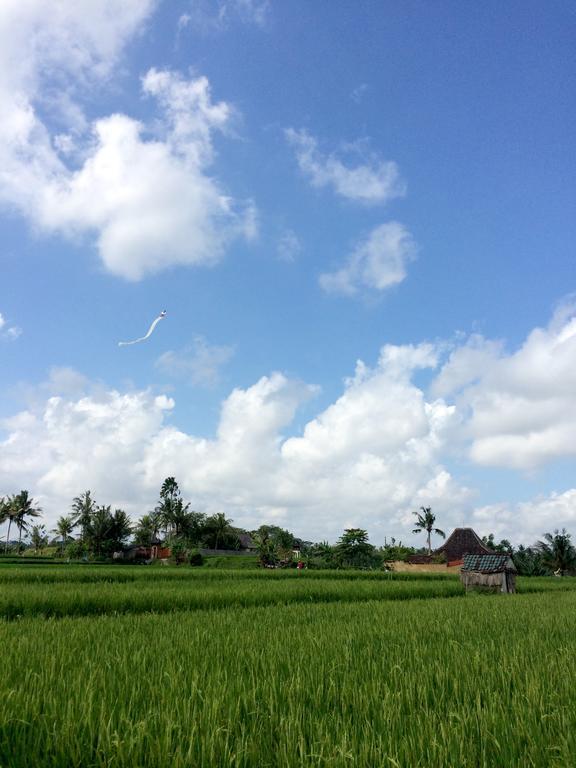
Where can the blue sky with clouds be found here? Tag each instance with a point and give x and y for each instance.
(360, 220)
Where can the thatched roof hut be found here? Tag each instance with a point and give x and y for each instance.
(495, 571)
(462, 541)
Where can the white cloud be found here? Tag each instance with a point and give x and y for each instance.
(66, 445)
(368, 459)
(10, 332)
(199, 363)
(149, 203)
(219, 15)
(359, 92)
(249, 11)
(372, 181)
(520, 407)
(526, 522)
(377, 263)
(289, 246)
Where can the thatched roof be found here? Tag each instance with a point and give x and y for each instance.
(462, 541)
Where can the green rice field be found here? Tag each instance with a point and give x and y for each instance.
(135, 666)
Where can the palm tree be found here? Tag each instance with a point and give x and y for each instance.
(147, 529)
(38, 537)
(425, 520)
(7, 512)
(23, 506)
(101, 530)
(218, 528)
(83, 507)
(170, 507)
(557, 551)
(121, 528)
(64, 528)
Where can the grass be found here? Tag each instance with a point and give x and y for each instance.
(89, 593)
(302, 670)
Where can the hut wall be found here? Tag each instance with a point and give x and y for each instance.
(510, 581)
(502, 581)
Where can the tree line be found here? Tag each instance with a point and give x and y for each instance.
(93, 530)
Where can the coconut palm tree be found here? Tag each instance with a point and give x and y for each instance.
(425, 520)
(147, 529)
(121, 528)
(218, 529)
(7, 513)
(64, 528)
(38, 537)
(171, 507)
(557, 552)
(83, 507)
(22, 506)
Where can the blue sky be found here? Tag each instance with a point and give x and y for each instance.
(360, 220)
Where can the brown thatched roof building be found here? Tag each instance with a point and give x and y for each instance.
(462, 541)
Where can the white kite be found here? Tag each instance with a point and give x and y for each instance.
(161, 316)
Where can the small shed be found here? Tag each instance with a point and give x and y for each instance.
(495, 571)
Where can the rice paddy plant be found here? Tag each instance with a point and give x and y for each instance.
(462, 683)
(69, 598)
(121, 573)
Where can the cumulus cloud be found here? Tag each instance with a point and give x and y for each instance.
(367, 459)
(377, 263)
(199, 363)
(372, 181)
(526, 522)
(519, 407)
(67, 444)
(377, 452)
(148, 202)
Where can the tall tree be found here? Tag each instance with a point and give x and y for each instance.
(274, 544)
(267, 552)
(64, 528)
(529, 561)
(23, 506)
(108, 530)
(83, 507)
(503, 546)
(7, 512)
(38, 537)
(425, 520)
(147, 529)
(172, 511)
(354, 549)
(558, 553)
(100, 530)
(218, 530)
(324, 555)
(121, 528)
